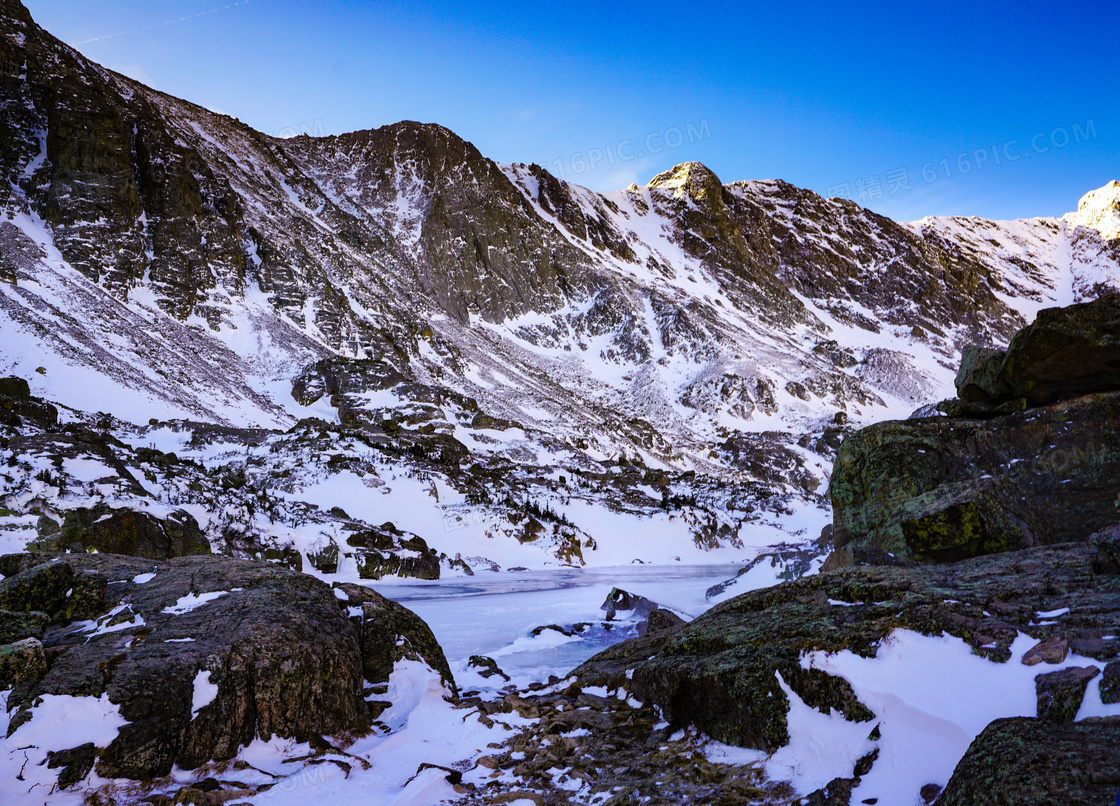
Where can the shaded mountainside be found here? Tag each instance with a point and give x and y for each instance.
(161, 260)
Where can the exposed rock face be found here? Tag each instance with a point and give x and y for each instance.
(391, 632)
(1042, 472)
(271, 651)
(1025, 761)
(1064, 353)
(125, 531)
(943, 488)
(718, 671)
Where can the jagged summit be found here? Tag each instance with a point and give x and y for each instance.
(1100, 209)
(690, 179)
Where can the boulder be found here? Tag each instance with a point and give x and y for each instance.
(126, 531)
(41, 588)
(1028, 456)
(18, 404)
(619, 600)
(282, 654)
(1032, 761)
(720, 671)
(1067, 352)
(944, 489)
(662, 619)
(17, 626)
(1060, 693)
(21, 662)
(390, 632)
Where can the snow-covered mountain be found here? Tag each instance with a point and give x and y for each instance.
(497, 352)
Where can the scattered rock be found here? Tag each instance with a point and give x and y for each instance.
(1053, 650)
(21, 662)
(1060, 693)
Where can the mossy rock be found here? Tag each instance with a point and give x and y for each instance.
(124, 531)
(22, 662)
(1025, 762)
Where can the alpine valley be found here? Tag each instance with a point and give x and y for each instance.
(251, 380)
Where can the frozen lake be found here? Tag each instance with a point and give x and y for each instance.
(494, 614)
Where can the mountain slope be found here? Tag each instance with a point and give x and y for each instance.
(164, 261)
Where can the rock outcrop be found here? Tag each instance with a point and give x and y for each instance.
(1031, 459)
(719, 672)
(200, 655)
(1032, 761)
(1063, 354)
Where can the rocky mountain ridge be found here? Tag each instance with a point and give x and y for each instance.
(167, 262)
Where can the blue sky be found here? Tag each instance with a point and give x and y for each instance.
(999, 110)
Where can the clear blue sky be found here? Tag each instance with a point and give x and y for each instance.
(818, 94)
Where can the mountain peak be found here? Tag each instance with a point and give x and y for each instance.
(692, 179)
(1100, 210)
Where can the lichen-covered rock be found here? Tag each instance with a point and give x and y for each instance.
(1027, 762)
(283, 656)
(1065, 353)
(127, 531)
(1060, 693)
(17, 626)
(391, 632)
(21, 662)
(43, 588)
(943, 488)
(718, 672)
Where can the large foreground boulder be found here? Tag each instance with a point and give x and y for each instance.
(1063, 354)
(720, 671)
(1028, 762)
(946, 488)
(200, 655)
(1029, 456)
